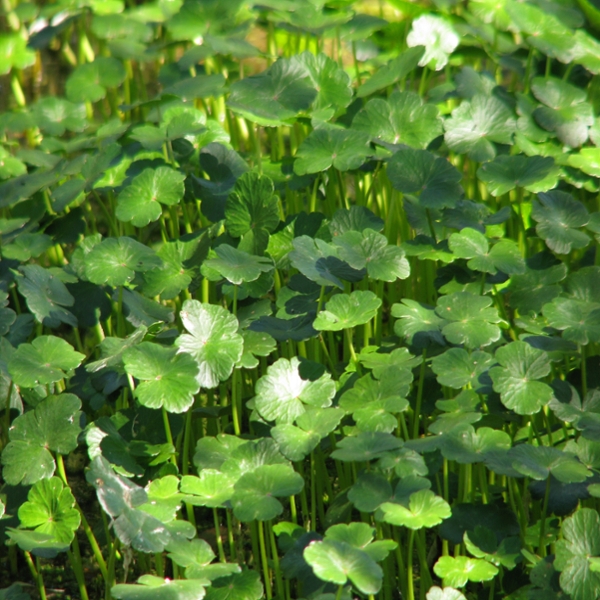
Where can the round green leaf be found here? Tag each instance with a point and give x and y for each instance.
(584, 284)
(357, 218)
(473, 245)
(332, 83)
(213, 341)
(252, 205)
(575, 552)
(46, 360)
(419, 172)
(539, 462)
(401, 119)
(164, 499)
(310, 255)
(281, 394)
(345, 149)
(176, 274)
(448, 593)
(457, 571)
(425, 509)
(366, 446)
(211, 488)
(374, 404)
(150, 587)
(238, 586)
(254, 492)
(566, 110)
(54, 116)
(344, 311)
(140, 201)
(294, 443)
(46, 295)
(536, 287)
(14, 52)
(49, 509)
(559, 216)
(458, 412)
(472, 319)
(404, 462)
(370, 250)
(275, 96)
(236, 265)
(166, 378)
(505, 172)
(465, 445)
(321, 421)
(115, 261)
(186, 552)
(516, 379)
(370, 491)
(255, 344)
(39, 544)
(482, 542)
(417, 323)
(337, 562)
(457, 368)
(360, 535)
(26, 245)
(546, 29)
(578, 320)
(588, 160)
(52, 426)
(476, 124)
(247, 457)
(212, 452)
(88, 82)
(10, 166)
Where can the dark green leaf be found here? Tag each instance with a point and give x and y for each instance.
(505, 173)
(274, 97)
(559, 216)
(46, 295)
(345, 149)
(167, 379)
(52, 426)
(392, 72)
(420, 172)
(476, 124)
(402, 119)
(115, 261)
(140, 202)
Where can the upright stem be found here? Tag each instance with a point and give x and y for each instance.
(353, 356)
(231, 537)
(276, 567)
(584, 386)
(313, 494)
(235, 408)
(541, 544)
(168, 433)
(218, 536)
(76, 565)
(37, 576)
(60, 466)
(417, 413)
(409, 565)
(264, 560)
